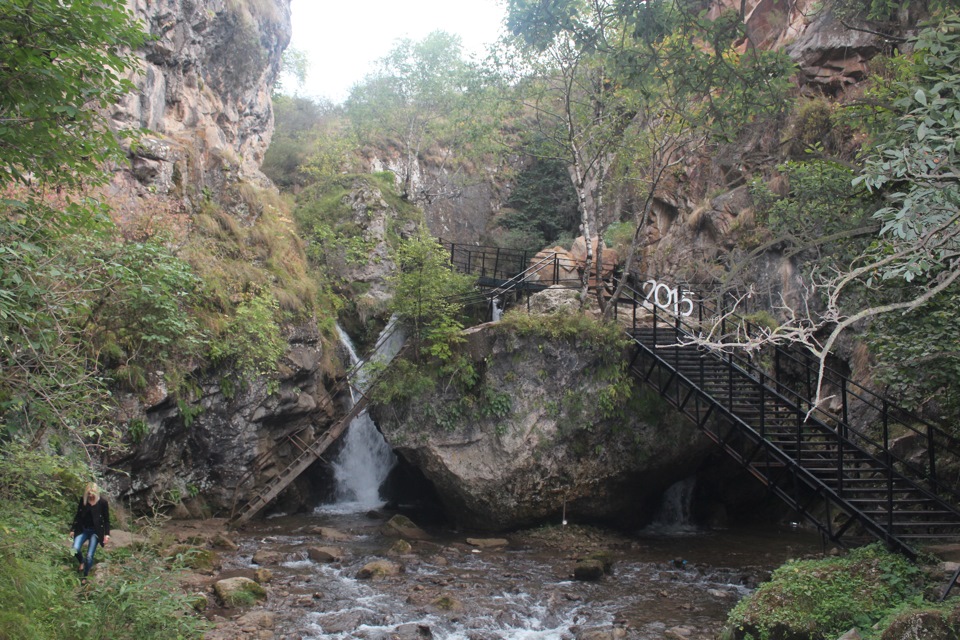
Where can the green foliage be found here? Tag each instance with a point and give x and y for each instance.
(39, 481)
(915, 163)
(143, 309)
(61, 68)
(311, 143)
(821, 204)
(921, 371)
(605, 339)
(542, 206)
(424, 95)
(131, 595)
(426, 291)
(252, 342)
(825, 598)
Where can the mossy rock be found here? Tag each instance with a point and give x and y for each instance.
(920, 625)
(195, 558)
(379, 569)
(403, 527)
(239, 592)
(401, 547)
(447, 603)
(588, 570)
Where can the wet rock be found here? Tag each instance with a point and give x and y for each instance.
(678, 633)
(262, 576)
(412, 631)
(257, 620)
(221, 541)
(325, 554)
(239, 591)
(328, 533)
(447, 603)
(606, 633)
(403, 527)
(588, 570)
(853, 634)
(265, 557)
(488, 543)
(401, 548)
(379, 569)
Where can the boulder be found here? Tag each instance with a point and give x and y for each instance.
(532, 443)
(378, 569)
(403, 527)
(325, 554)
(239, 591)
(264, 557)
(488, 543)
(588, 570)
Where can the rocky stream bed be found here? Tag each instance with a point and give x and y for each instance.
(338, 576)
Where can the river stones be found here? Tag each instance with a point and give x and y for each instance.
(265, 557)
(378, 569)
(239, 591)
(607, 633)
(488, 543)
(401, 547)
(325, 554)
(329, 533)
(403, 527)
(588, 570)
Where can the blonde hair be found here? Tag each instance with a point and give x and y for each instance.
(91, 490)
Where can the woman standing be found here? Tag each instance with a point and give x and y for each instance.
(91, 525)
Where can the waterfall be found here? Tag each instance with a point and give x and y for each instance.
(675, 513)
(496, 309)
(365, 459)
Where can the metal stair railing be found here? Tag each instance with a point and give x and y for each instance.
(697, 402)
(939, 444)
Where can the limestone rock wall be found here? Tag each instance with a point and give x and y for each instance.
(203, 95)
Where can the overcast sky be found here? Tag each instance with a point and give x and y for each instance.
(344, 38)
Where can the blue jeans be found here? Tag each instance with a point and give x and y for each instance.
(78, 540)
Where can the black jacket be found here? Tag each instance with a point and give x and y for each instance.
(99, 513)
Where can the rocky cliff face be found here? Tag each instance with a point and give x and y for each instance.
(204, 100)
(203, 95)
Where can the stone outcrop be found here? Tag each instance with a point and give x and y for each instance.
(231, 440)
(457, 204)
(204, 88)
(550, 453)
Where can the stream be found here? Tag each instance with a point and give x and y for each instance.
(670, 581)
(674, 584)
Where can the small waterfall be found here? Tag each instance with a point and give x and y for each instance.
(365, 459)
(496, 309)
(675, 513)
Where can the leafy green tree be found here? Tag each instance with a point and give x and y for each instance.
(416, 100)
(543, 205)
(62, 64)
(625, 90)
(427, 293)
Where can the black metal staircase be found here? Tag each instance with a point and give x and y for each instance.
(840, 479)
